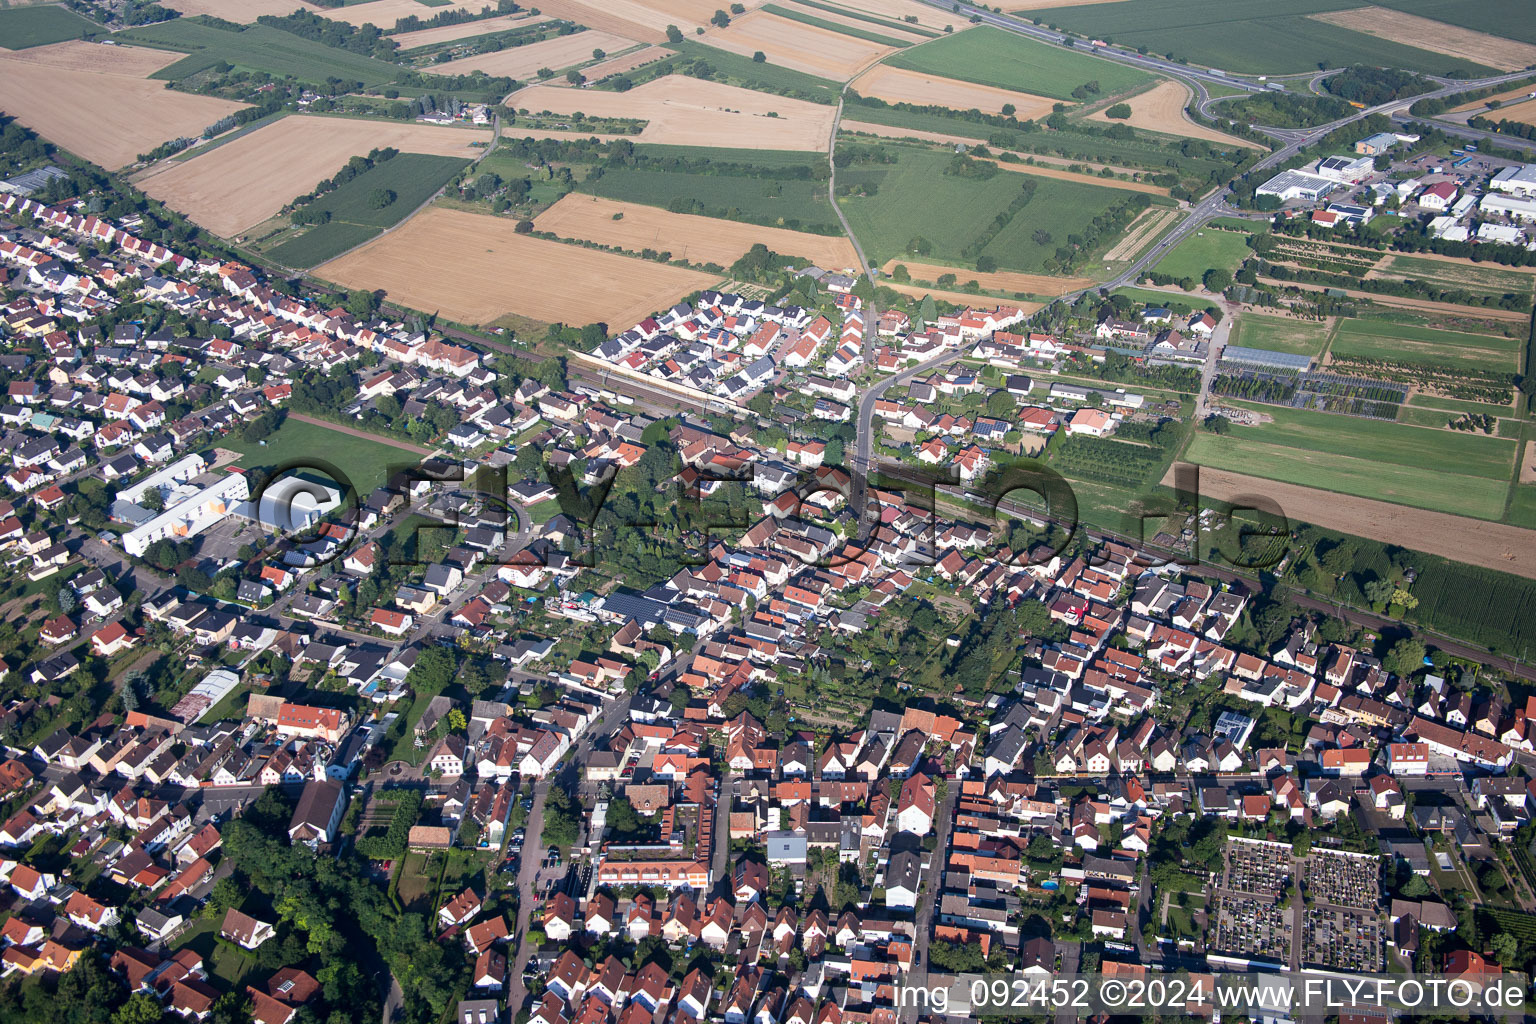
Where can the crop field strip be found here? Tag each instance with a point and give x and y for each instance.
(854, 14)
(848, 27)
(466, 30)
(524, 62)
(353, 216)
(1372, 339)
(1441, 37)
(1486, 278)
(258, 48)
(1240, 35)
(1464, 474)
(899, 85)
(990, 56)
(801, 43)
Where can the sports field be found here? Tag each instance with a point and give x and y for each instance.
(1279, 334)
(991, 56)
(244, 182)
(95, 101)
(367, 464)
(21, 27)
(1207, 249)
(915, 199)
(699, 240)
(474, 269)
(1254, 36)
(1461, 473)
(1375, 339)
(689, 112)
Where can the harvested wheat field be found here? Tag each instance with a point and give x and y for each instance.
(384, 13)
(524, 62)
(997, 280)
(1161, 109)
(1435, 36)
(886, 131)
(898, 85)
(646, 20)
(908, 34)
(917, 291)
(249, 179)
(241, 11)
(95, 102)
(685, 236)
(1474, 541)
(629, 62)
(1502, 97)
(1142, 230)
(474, 268)
(1525, 112)
(689, 112)
(791, 44)
(1043, 171)
(448, 33)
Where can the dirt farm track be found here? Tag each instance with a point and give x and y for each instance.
(1474, 541)
(95, 101)
(245, 181)
(696, 239)
(474, 268)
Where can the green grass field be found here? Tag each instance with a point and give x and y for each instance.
(1457, 405)
(915, 198)
(807, 18)
(24, 27)
(1465, 474)
(990, 56)
(258, 48)
(367, 464)
(1202, 251)
(1278, 334)
(320, 243)
(1256, 36)
(1482, 279)
(1373, 339)
(1522, 506)
(798, 203)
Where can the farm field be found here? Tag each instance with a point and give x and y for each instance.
(1047, 171)
(1141, 233)
(465, 30)
(1483, 278)
(629, 62)
(794, 44)
(411, 178)
(384, 13)
(1375, 339)
(474, 268)
(1504, 18)
(991, 56)
(1464, 474)
(1525, 112)
(898, 85)
(917, 291)
(240, 11)
(1471, 541)
(646, 20)
(1205, 250)
(916, 199)
(96, 102)
(246, 181)
(697, 239)
(792, 204)
(1442, 37)
(686, 111)
(854, 23)
(366, 463)
(1239, 35)
(258, 48)
(1279, 334)
(524, 62)
(996, 281)
(1458, 405)
(23, 27)
(320, 243)
(1161, 109)
(928, 17)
